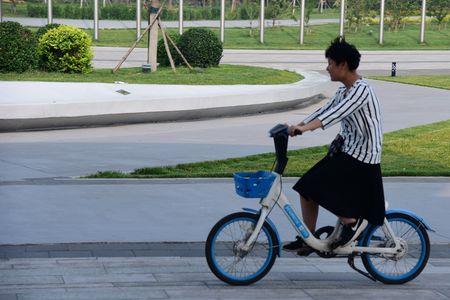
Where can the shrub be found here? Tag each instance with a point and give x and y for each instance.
(17, 48)
(42, 30)
(163, 59)
(65, 49)
(201, 47)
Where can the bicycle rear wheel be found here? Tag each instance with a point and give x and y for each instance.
(409, 262)
(227, 260)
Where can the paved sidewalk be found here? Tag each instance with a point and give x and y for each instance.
(141, 249)
(190, 278)
(131, 24)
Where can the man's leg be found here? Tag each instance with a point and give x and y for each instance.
(310, 211)
(347, 221)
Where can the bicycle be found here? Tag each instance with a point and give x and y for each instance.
(242, 247)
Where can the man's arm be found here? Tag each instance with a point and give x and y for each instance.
(299, 129)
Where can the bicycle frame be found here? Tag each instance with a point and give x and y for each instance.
(277, 197)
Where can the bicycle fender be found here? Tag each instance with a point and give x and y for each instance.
(411, 214)
(271, 224)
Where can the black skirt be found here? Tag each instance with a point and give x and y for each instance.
(346, 187)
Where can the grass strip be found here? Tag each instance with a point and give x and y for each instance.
(224, 74)
(416, 151)
(317, 37)
(436, 81)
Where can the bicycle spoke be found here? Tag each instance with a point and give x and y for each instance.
(252, 261)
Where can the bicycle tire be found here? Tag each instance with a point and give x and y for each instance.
(424, 244)
(212, 251)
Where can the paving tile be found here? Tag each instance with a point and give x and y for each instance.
(47, 247)
(5, 266)
(113, 253)
(183, 277)
(112, 294)
(329, 276)
(433, 280)
(12, 248)
(159, 284)
(148, 263)
(157, 253)
(156, 269)
(294, 268)
(238, 293)
(61, 270)
(4, 280)
(23, 289)
(48, 287)
(34, 254)
(376, 294)
(445, 292)
(111, 278)
(70, 254)
(8, 297)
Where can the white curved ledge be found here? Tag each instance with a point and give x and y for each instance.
(37, 105)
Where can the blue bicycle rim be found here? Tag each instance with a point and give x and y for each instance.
(418, 264)
(250, 277)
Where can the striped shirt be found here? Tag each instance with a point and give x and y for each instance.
(360, 116)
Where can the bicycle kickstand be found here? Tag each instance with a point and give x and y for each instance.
(351, 263)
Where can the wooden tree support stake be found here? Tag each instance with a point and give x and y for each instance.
(179, 52)
(137, 41)
(166, 45)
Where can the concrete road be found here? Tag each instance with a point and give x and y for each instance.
(372, 62)
(75, 211)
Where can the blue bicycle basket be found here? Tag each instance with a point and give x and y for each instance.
(253, 184)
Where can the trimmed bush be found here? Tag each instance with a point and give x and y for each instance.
(163, 59)
(17, 48)
(201, 47)
(65, 49)
(42, 30)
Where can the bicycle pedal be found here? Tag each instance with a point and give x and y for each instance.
(351, 263)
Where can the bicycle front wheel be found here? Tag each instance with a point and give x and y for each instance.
(225, 255)
(409, 262)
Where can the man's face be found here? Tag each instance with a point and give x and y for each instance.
(336, 71)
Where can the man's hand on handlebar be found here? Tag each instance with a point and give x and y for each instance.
(295, 130)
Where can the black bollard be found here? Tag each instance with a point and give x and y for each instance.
(394, 69)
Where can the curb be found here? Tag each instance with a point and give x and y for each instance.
(41, 105)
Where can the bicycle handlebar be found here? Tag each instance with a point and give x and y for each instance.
(280, 136)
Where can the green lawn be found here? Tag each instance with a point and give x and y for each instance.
(417, 151)
(319, 38)
(224, 74)
(438, 81)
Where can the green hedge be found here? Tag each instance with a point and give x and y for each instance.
(201, 47)
(17, 48)
(65, 49)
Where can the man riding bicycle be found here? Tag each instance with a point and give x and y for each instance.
(348, 181)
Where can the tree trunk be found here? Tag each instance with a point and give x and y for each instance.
(233, 5)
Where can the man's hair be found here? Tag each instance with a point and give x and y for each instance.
(340, 51)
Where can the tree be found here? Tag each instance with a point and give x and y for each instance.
(251, 11)
(310, 5)
(397, 10)
(276, 8)
(439, 9)
(356, 12)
